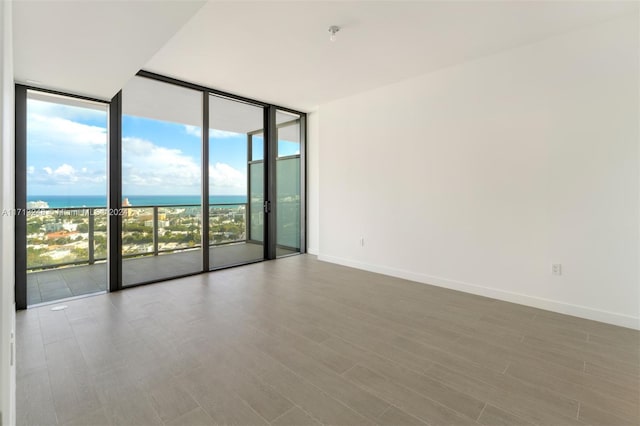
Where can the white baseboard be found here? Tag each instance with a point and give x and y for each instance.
(494, 293)
(312, 250)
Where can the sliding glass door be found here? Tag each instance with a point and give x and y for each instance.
(161, 181)
(236, 182)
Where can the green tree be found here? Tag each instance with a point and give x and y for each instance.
(33, 227)
(37, 257)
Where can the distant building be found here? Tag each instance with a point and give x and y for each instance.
(71, 227)
(127, 212)
(52, 227)
(62, 234)
(161, 223)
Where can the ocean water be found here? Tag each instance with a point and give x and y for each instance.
(61, 201)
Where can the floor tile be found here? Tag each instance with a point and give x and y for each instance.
(298, 341)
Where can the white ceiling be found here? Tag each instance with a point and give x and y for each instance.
(280, 51)
(277, 52)
(91, 47)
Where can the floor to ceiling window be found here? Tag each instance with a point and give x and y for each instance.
(161, 181)
(167, 179)
(66, 190)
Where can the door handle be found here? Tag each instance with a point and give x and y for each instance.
(267, 206)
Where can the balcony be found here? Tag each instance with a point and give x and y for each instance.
(67, 247)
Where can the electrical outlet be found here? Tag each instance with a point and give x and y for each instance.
(556, 269)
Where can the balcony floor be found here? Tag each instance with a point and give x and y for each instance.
(55, 284)
(51, 285)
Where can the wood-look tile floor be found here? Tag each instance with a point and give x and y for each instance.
(301, 342)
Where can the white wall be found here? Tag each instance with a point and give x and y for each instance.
(480, 176)
(7, 184)
(313, 181)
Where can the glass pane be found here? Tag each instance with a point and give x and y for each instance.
(234, 138)
(161, 177)
(66, 196)
(288, 220)
(257, 147)
(256, 171)
(288, 189)
(288, 134)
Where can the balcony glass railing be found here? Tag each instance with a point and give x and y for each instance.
(78, 236)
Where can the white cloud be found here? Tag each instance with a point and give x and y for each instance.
(193, 130)
(225, 180)
(147, 165)
(213, 133)
(65, 170)
(62, 133)
(221, 134)
(64, 174)
(149, 168)
(65, 152)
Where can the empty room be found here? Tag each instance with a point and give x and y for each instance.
(320, 213)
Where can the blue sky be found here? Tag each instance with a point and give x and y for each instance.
(66, 154)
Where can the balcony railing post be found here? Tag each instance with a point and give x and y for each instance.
(91, 236)
(247, 222)
(155, 230)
